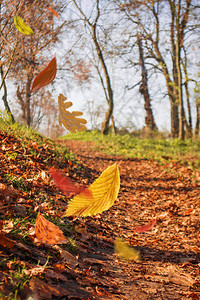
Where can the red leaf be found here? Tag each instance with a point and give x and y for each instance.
(46, 76)
(65, 185)
(147, 227)
(53, 11)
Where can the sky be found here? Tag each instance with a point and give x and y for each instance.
(128, 106)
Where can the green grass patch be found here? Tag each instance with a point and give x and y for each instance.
(32, 139)
(135, 147)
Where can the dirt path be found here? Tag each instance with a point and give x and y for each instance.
(170, 252)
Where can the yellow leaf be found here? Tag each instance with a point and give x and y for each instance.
(22, 26)
(104, 191)
(124, 251)
(69, 119)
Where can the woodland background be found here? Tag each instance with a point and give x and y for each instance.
(127, 64)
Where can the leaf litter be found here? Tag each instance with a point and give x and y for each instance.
(157, 213)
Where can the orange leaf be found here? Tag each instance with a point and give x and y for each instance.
(46, 76)
(65, 185)
(47, 232)
(188, 211)
(147, 227)
(53, 11)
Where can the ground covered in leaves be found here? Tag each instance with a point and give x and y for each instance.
(165, 194)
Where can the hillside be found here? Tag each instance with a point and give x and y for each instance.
(86, 267)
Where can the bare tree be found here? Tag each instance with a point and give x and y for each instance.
(90, 21)
(149, 119)
(24, 56)
(164, 42)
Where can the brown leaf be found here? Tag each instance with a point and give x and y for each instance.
(70, 120)
(68, 257)
(6, 242)
(47, 232)
(178, 277)
(7, 191)
(44, 290)
(46, 76)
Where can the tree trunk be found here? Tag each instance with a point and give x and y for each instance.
(105, 124)
(109, 92)
(109, 113)
(174, 119)
(24, 98)
(171, 89)
(28, 101)
(179, 74)
(149, 119)
(189, 123)
(4, 98)
(197, 126)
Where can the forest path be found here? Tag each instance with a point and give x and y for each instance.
(170, 252)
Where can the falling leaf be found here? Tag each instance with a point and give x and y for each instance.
(22, 26)
(65, 185)
(46, 76)
(104, 193)
(53, 11)
(147, 227)
(47, 232)
(69, 119)
(125, 251)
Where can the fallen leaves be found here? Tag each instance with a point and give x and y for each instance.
(104, 193)
(175, 242)
(47, 232)
(70, 120)
(46, 76)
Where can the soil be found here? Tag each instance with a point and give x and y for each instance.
(169, 267)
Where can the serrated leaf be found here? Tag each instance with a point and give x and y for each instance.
(46, 76)
(47, 232)
(69, 119)
(125, 251)
(22, 26)
(104, 192)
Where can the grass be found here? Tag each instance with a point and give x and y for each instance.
(145, 148)
(29, 136)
